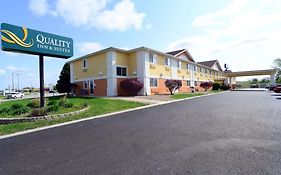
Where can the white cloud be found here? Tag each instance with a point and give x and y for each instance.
(38, 7)
(89, 47)
(242, 32)
(15, 69)
(92, 13)
(2, 71)
(122, 17)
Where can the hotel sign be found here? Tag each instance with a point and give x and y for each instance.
(21, 39)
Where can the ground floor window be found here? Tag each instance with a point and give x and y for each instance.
(85, 84)
(153, 82)
(196, 83)
(188, 83)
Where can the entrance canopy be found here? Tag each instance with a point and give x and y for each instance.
(250, 73)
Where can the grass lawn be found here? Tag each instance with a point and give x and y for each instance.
(188, 95)
(97, 106)
(2, 97)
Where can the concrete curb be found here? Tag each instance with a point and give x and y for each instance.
(101, 116)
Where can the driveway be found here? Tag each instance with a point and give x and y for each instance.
(229, 133)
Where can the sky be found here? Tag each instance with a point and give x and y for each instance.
(245, 34)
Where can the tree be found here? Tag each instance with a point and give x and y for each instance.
(173, 85)
(63, 84)
(216, 86)
(254, 81)
(132, 86)
(277, 66)
(264, 80)
(206, 85)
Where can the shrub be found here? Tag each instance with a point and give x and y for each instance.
(85, 105)
(51, 103)
(38, 112)
(18, 109)
(53, 108)
(216, 86)
(225, 87)
(132, 86)
(65, 103)
(206, 85)
(173, 85)
(34, 103)
(4, 110)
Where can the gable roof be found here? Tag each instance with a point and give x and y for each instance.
(177, 53)
(210, 63)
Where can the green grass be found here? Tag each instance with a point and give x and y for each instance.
(2, 97)
(98, 106)
(188, 95)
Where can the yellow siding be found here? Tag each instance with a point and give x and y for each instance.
(159, 67)
(132, 63)
(96, 64)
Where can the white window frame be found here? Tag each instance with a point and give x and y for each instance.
(126, 67)
(153, 85)
(188, 83)
(179, 64)
(154, 60)
(85, 63)
(194, 68)
(168, 61)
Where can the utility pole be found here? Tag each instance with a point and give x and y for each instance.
(13, 86)
(18, 75)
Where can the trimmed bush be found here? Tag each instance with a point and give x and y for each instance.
(53, 108)
(85, 105)
(51, 103)
(34, 103)
(38, 112)
(173, 85)
(68, 104)
(216, 86)
(206, 85)
(132, 86)
(225, 87)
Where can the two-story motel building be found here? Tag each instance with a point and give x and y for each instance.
(100, 73)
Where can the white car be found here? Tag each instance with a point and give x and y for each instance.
(15, 95)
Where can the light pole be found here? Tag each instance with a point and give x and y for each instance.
(18, 75)
(13, 86)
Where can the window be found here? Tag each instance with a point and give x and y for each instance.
(195, 83)
(167, 61)
(85, 63)
(153, 82)
(206, 71)
(200, 69)
(152, 58)
(188, 83)
(210, 72)
(194, 68)
(179, 64)
(85, 84)
(121, 71)
(187, 66)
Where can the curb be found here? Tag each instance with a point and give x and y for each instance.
(101, 116)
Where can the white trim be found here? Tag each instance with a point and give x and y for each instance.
(71, 73)
(111, 73)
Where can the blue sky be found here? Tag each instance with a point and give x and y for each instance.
(246, 34)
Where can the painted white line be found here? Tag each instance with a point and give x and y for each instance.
(101, 116)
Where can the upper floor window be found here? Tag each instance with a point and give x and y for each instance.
(200, 69)
(210, 72)
(179, 64)
(152, 58)
(187, 66)
(167, 61)
(206, 71)
(85, 63)
(194, 68)
(121, 71)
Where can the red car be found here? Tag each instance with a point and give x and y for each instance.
(277, 89)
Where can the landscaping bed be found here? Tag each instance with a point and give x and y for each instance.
(97, 106)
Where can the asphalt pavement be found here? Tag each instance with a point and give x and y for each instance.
(229, 133)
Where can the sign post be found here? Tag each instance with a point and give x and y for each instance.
(29, 41)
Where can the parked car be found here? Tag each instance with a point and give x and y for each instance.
(15, 95)
(272, 87)
(277, 89)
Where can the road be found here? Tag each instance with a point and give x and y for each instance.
(35, 95)
(230, 133)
